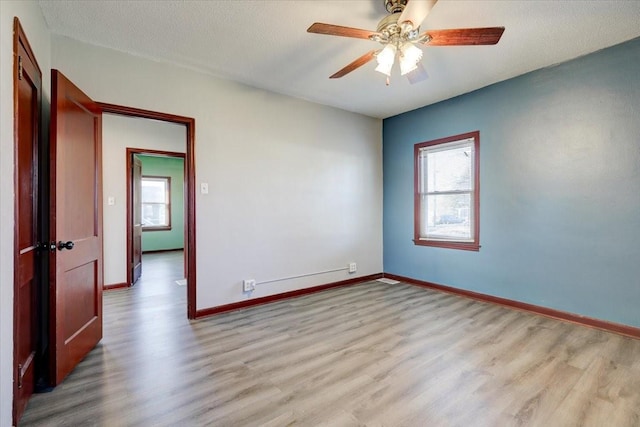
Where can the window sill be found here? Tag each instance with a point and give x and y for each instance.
(464, 246)
(159, 228)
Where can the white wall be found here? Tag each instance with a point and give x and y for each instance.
(38, 35)
(118, 134)
(294, 187)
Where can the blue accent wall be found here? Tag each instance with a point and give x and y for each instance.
(559, 187)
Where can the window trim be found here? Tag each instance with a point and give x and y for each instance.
(168, 204)
(473, 245)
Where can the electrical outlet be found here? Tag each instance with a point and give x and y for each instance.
(352, 267)
(248, 285)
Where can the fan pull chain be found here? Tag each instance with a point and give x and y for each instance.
(388, 81)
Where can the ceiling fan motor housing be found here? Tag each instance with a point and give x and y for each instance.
(389, 24)
(395, 6)
(389, 30)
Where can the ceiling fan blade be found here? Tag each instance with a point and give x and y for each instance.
(415, 11)
(355, 64)
(338, 30)
(465, 36)
(418, 75)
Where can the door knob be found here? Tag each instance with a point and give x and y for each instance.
(65, 245)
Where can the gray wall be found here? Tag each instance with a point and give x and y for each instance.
(294, 187)
(560, 188)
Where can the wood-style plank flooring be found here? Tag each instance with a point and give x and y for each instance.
(371, 354)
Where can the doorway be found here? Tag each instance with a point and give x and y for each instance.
(155, 206)
(189, 194)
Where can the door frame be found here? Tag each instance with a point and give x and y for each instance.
(190, 192)
(159, 153)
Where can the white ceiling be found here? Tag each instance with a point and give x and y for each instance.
(264, 43)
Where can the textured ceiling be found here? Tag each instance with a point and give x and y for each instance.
(265, 44)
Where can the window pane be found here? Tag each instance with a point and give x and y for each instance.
(155, 202)
(154, 191)
(446, 216)
(449, 170)
(154, 215)
(446, 195)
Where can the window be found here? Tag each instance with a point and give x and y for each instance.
(447, 190)
(156, 203)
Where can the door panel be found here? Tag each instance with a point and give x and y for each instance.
(136, 175)
(76, 217)
(27, 101)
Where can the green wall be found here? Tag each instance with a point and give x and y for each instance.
(174, 168)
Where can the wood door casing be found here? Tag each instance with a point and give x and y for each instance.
(132, 154)
(190, 191)
(136, 205)
(27, 117)
(76, 275)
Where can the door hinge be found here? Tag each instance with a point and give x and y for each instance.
(19, 375)
(19, 67)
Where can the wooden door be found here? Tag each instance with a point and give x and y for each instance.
(76, 275)
(27, 93)
(136, 205)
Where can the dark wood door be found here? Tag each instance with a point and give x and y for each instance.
(136, 204)
(76, 276)
(28, 89)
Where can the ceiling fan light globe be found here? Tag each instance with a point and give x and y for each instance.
(385, 59)
(407, 66)
(384, 69)
(410, 55)
(411, 52)
(387, 55)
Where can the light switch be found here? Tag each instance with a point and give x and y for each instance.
(111, 200)
(204, 188)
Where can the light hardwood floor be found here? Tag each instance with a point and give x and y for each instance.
(370, 354)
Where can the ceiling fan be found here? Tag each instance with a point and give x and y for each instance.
(399, 34)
